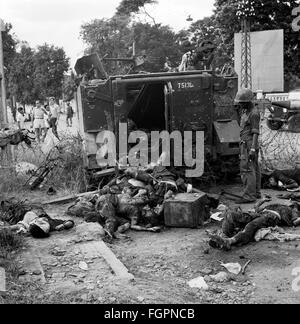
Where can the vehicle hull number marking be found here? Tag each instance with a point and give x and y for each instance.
(185, 85)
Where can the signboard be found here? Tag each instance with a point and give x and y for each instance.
(277, 97)
(267, 56)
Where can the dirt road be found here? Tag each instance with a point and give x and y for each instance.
(162, 265)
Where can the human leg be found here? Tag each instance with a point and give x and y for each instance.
(38, 134)
(53, 122)
(45, 132)
(236, 218)
(248, 175)
(267, 219)
(258, 176)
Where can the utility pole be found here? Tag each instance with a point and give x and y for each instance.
(6, 153)
(3, 109)
(246, 73)
(245, 12)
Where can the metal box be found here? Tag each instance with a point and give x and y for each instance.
(186, 210)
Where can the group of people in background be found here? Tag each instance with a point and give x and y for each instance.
(44, 117)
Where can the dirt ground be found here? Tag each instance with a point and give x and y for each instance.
(68, 267)
(51, 271)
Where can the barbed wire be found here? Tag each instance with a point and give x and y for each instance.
(279, 149)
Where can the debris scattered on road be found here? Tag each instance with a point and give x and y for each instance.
(275, 234)
(245, 267)
(216, 217)
(198, 283)
(221, 277)
(83, 266)
(25, 168)
(234, 268)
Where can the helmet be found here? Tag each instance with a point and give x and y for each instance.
(244, 95)
(187, 44)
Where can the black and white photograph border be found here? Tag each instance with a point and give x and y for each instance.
(149, 154)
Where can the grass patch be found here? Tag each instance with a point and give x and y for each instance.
(68, 175)
(9, 242)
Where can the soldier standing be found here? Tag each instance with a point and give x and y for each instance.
(249, 146)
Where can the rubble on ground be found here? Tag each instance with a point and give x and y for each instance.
(136, 199)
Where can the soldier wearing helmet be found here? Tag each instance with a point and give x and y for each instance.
(187, 59)
(250, 129)
(199, 56)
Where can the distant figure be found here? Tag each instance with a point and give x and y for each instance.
(46, 119)
(198, 57)
(38, 122)
(70, 113)
(54, 116)
(20, 117)
(187, 59)
(285, 179)
(168, 66)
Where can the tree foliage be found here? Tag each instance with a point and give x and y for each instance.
(50, 63)
(37, 74)
(69, 86)
(156, 43)
(32, 73)
(128, 7)
(268, 15)
(114, 37)
(21, 75)
(9, 49)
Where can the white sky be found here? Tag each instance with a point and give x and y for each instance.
(58, 21)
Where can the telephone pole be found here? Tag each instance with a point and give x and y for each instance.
(6, 153)
(246, 73)
(245, 13)
(3, 109)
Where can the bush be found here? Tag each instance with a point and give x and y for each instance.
(70, 173)
(9, 242)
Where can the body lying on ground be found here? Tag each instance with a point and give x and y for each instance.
(30, 221)
(290, 179)
(239, 228)
(119, 212)
(134, 200)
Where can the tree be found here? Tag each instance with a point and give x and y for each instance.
(268, 15)
(69, 86)
(114, 38)
(129, 7)
(109, 38)
(50, 65)
(9, 49)
(21, 75)
(156, 42)
(205, 29)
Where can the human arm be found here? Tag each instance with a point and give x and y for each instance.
(32, 118)
(255, 125)
(18, 121)
(182, 66)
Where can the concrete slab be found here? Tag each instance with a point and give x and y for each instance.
(2, 280)
(96, 249)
